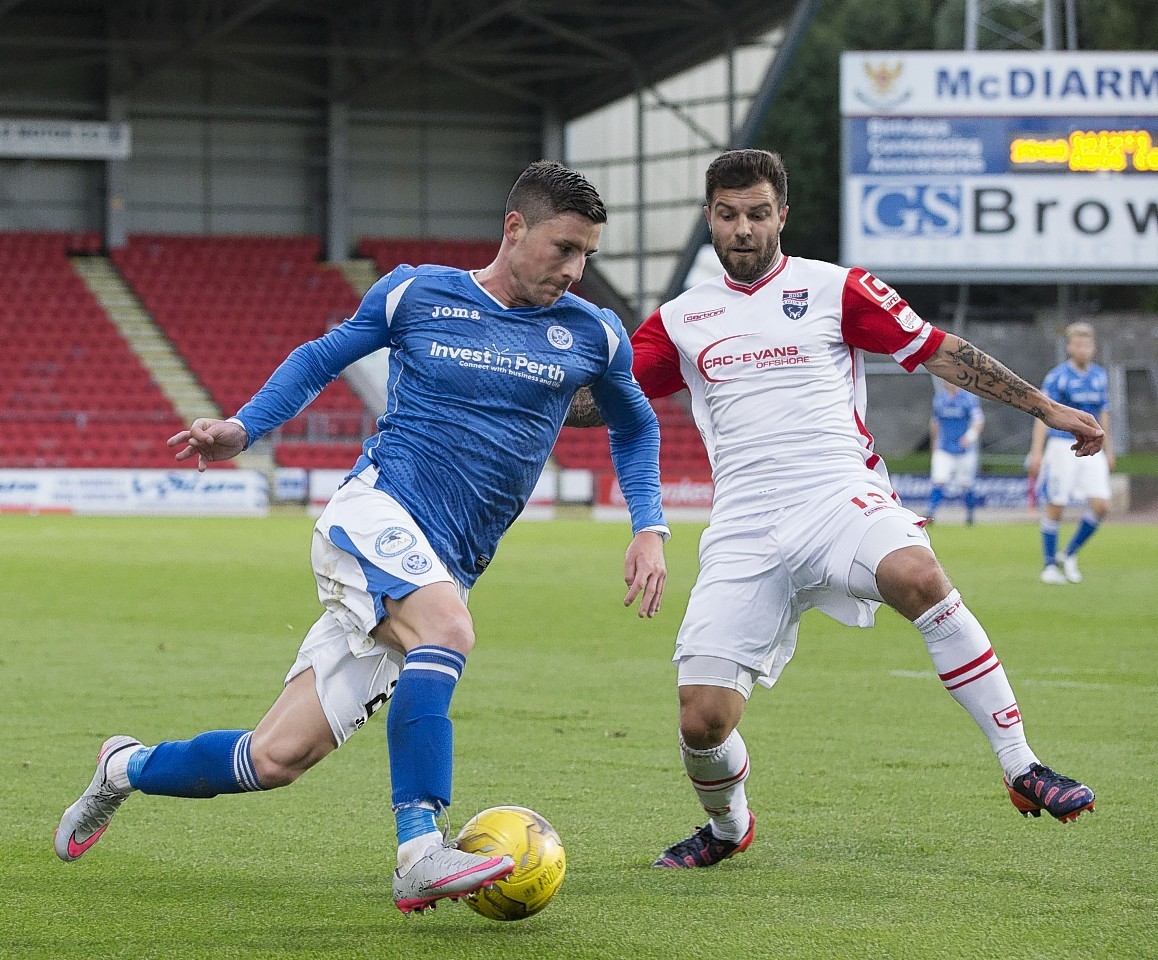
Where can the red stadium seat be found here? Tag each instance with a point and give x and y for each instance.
(68, 366)
(234, 307)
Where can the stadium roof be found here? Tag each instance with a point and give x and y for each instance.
(524, 56)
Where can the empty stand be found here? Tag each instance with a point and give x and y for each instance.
(681, 450)
(389, 252)
(72, 392)
(338, 455)
(234, 308)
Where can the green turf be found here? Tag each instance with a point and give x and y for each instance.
(884, 830)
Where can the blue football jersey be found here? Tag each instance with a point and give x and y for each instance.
(1088, 391)
(476, 395)
(955, 414)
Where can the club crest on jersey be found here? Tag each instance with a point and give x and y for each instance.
(416, 563)
(393, 541)
(795, 303)
(560, 337)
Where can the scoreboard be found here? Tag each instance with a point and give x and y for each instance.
(991, 167)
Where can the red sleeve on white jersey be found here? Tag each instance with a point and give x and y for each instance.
(876, 319)
(656, 362)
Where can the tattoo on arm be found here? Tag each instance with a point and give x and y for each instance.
(583, 412)
(976, 371)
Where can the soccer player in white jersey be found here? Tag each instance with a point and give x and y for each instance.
(483, 368)
(955, 437)
(803, 513)
(1061, 479)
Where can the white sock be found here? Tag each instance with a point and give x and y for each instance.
(117, 770)
(718, 777)
(971, 672)
(413, 850)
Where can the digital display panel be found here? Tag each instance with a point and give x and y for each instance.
(1012, 166)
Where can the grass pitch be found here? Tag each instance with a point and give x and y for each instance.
(883, 829)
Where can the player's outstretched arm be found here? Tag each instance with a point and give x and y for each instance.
(210, 441)
(645, 572)
(959, 362)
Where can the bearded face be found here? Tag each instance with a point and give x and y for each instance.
(746, 225)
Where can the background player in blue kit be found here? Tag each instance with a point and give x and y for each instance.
(483, 368)
(1065, 480)
(955, 439)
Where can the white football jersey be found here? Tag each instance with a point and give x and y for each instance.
(776, 374)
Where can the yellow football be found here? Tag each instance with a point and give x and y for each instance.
(539, 859)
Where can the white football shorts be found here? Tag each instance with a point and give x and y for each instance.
(366, 547)
(759, 573)
(1067, 479)
(350, 688)
(954, 471)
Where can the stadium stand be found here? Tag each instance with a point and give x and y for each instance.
(389, 252)
(681, 452)
(234, 307)
(72, 392)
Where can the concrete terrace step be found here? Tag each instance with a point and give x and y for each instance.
(167, 368)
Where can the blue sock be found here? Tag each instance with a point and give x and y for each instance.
(935, 497)
(1085, 530)
(421, 738)
(414, 820)
(209, 764)
(1049, 541)
(971, 499)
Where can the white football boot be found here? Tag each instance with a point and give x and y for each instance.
(446, 872)
(83, 823)
(1053, 574)
(1070, 566)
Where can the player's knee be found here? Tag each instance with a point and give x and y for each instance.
(930, 585)
(279, 765)
(454, 631)
(703, 731)
(706, 721)
(911, 581)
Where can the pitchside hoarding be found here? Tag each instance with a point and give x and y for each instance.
(990, 167)
(135, 492)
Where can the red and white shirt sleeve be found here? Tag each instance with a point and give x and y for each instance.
(656, 363)
(876, 319)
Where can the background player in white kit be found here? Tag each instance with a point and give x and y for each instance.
(803, 514)
(483, 368)
(955, 439)
(1062, 480)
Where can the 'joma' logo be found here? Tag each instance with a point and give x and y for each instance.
(458, 313)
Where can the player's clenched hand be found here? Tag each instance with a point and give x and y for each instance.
(210, 441)
(1088, 433)
(645, 572)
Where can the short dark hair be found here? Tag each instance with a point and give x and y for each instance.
(547, 189)
(738, 169)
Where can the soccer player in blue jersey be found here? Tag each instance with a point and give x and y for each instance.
(955, 438)
(483, 368)
(1063, 480)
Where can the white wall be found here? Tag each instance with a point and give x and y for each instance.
(603, 146)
